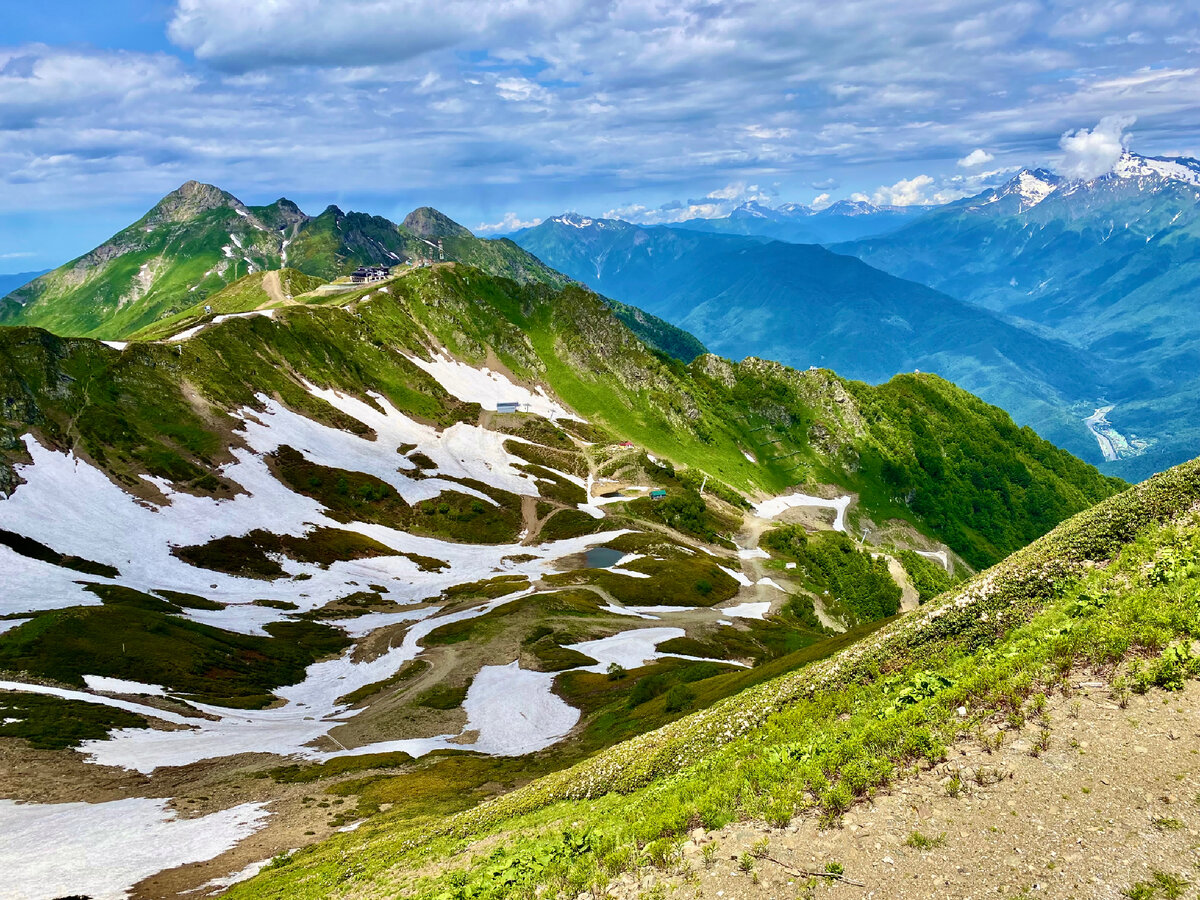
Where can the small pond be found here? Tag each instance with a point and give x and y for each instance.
(602, 557)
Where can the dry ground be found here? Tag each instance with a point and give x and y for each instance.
(1114, 799)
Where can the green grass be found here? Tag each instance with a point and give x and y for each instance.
(252, 554)
(52, 723)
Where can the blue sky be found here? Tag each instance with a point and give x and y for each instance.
(503, 112)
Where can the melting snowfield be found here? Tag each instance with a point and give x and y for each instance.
(487, 388)
(101, 850)
(769, 509)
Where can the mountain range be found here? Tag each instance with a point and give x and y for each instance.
(352, 572)
(843, 220)
(1110, 266)
(199, 238)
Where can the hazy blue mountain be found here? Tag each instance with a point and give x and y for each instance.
(13, 280)
(845, 220)
(807, 306)
(1110, 265)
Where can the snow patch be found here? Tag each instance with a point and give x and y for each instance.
(769, 509)
(488, 388)
(101, 850)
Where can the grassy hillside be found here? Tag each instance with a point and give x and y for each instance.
(914, 448)
(1111, 591)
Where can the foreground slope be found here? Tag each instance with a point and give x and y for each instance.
(1108, 599)
(804, 305)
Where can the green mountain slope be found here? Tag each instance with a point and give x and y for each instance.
(198, 239)
(756, 426)
(305, 536)
(803, 305)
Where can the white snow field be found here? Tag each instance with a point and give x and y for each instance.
(487, 388)
(769, 509)
(101, 850)
(746, 610)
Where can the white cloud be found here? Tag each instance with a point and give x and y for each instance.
(23, 254)
(821, 201)
(905, 192)
(509, 223)
(976, 158)
(1088, 154)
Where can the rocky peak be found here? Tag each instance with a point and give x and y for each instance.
(191, 199)
(427, 222)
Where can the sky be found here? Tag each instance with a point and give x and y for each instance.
(500, 113)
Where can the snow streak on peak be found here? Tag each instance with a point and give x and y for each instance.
(1130, 165)
(1032, 186)
(577, 221)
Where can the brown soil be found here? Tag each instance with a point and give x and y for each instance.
(1113, 800)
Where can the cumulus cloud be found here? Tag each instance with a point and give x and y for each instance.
(509, 223)
(905, 192)
(975, 158)
(1088, 154)
(821, 201)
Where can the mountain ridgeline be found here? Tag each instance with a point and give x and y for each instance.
(199, 239)
(1110, 266)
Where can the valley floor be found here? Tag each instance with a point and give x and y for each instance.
(1110, 809)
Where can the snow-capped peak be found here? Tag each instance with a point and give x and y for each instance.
(575, 220)
(1032, 186)
(1130, 165)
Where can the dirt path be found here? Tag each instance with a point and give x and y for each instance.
(909, 598)
(273, 288)
(1112, 801)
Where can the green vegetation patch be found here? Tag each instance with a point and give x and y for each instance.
(563, 460)
(357, 496)
(685, 511)
(339, 766)
(572, 523)
(248, 555)
(696, 580)
(929, 578)
(444, 695)
(52, 723)
(26, 546)
(137, 638)
(831, 563)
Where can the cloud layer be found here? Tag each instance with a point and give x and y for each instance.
(530, 108)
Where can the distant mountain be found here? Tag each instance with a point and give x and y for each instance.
(1110, 265)
(11, 282)
(806, 306)
(844, 220)
(199, 238)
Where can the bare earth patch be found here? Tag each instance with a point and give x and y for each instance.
(1114, 799)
